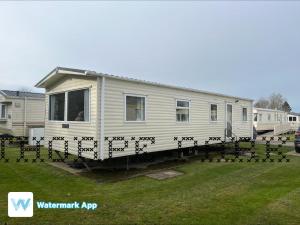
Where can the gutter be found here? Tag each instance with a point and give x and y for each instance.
(25, 116)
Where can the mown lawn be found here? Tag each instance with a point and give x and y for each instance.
(207, 193)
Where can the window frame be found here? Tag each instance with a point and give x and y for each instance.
(179, 107)
(5, 115)
(260, 117)
(269, 117)
(255, 114)
(247, 117)
(210, 120)
(49, 105)
(125, 108)
(66, 106)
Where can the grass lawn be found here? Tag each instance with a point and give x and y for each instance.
(207, 193)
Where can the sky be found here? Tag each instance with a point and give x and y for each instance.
(241, 48)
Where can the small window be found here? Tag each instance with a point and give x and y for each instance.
(245, 114)
(78, 105)
(269, 117)
(3, 111)
(182, 111)
(57, 107)
(213, 112)
(255, 117)
(135, 108)
(294, 118)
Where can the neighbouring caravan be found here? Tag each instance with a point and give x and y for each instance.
(20, 111)
(128, 116)
(270, 120)
(294, 120)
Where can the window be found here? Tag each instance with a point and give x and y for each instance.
(213, 112)
(290, 118)
(245, 114)
(135, 108)
(294, 118)
(260, 117)
(269, 117)
(3, 111)
(57, 107)
(255, 117)
(78, 105)
(182, 111)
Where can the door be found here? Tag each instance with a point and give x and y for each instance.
(228, 120)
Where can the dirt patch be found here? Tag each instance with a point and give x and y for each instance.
(293, 153)
(66, 167)
(162, 175)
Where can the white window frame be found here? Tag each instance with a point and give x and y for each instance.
(189, 108)
(260, 117)
(5, 116)
(48, 116)
(254, 117)
(269, 117)
(67, 102)
(210, 120)
(66, 106)
(125, 107)
(243, 107)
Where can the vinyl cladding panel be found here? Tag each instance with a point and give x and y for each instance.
(161, 116)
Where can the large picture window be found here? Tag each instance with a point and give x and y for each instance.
(182, 111)
(213, 112)
(2, 111)
(245, 114)
(78, 105)
(135, 108)
(57, 107)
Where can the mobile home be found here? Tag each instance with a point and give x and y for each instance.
(20, 111)
(128, 116)
(270, 120)
(294, 120)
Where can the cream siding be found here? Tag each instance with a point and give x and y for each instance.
(161, 116)
(35, 112)
(5, 124)
(76, 129)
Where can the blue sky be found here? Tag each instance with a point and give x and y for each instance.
(243, 48)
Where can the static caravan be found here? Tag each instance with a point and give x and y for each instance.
(270, 120)
(294, 120)
(20, 111)
(128, 116)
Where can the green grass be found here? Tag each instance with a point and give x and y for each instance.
(207, 193)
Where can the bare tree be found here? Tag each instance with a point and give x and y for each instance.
(262, 103)
(25, 89)
(276, 101)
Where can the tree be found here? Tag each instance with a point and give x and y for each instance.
(286, 107)
(262, 103)
(276, 101)
(25, 89)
